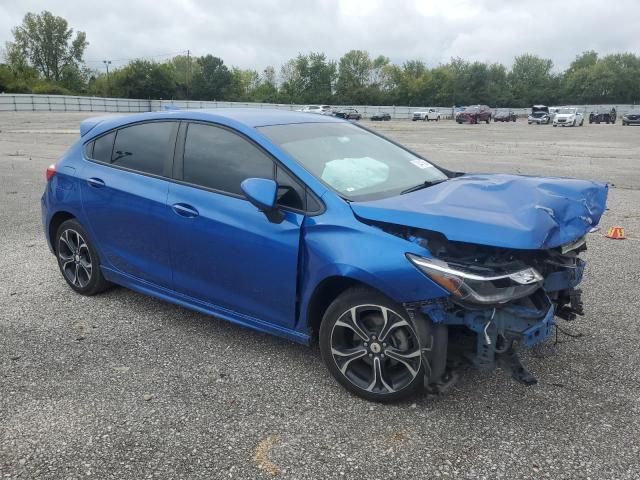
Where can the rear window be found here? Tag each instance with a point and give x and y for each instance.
(144, 147)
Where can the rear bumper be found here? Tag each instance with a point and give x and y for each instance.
(44, 214)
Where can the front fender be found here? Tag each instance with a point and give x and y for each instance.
(363, 253)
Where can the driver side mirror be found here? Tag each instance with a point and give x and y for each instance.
(262, 193)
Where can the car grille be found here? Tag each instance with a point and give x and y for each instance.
(561, 120)
(633, 117)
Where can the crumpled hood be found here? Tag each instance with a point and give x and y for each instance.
(508, 211)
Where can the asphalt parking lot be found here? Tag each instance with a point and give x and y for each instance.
(124, 386)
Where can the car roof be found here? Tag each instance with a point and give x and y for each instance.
(237, 117)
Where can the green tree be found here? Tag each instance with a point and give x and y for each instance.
(144, 79)
(354, 75)
(531, 80)
(213, 80)
(44, 42)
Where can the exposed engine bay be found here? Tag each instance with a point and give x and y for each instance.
(500, 299)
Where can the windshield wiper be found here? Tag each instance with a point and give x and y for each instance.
(425, 184)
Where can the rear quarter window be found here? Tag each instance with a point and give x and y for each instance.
(102, 148)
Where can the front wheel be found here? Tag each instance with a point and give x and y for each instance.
(372, 347)
(78, 260)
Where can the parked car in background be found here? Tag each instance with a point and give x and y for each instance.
(631, 118)
(539, 115)
(474, 114)
(348, 114)
(320, 109)
(426, 115)
(318, 230)
(603, 116)
(568, 117)
(381, 116)
(504, 115)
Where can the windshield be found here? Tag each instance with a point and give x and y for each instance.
(357, 164)
(566, 111)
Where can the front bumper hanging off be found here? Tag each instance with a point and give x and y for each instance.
(500, 330)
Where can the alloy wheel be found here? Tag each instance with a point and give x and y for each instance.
(376, 349)
(75, 258)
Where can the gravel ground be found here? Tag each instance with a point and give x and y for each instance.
(125, 386)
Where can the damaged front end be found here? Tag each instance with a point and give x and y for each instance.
(500, 299)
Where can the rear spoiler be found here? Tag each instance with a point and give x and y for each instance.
(90, 123)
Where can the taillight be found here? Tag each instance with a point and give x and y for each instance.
(51, 171)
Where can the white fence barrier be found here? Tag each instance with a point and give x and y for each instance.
(68, 103)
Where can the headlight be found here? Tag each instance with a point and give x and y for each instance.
(479, 287)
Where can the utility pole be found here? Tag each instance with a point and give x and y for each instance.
(188, 72)
(107, 63)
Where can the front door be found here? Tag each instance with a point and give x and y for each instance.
(223, 250)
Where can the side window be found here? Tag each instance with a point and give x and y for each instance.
(217, 158)
(290, 193)
(102, 148)
(144, 147)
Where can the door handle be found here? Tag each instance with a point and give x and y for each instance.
(95, 182)
(185, 210)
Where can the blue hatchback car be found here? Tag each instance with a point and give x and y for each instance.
(314, 228)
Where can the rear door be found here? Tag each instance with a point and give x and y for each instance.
(224, 251)
(124, 196)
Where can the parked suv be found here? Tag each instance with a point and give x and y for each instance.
(426, 115)
(316, 229)
(475, 114)
(603, 116)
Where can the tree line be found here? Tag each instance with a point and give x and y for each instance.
(46, 57)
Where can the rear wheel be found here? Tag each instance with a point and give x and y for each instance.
(78, 260)
(372, 347)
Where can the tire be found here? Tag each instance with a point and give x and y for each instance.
(573, 124)
(437, 119)
(78, 260)
(582, 122)
(382, 371)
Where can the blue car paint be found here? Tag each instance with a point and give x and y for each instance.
(509, 211)
(265, 274)
(260, 191)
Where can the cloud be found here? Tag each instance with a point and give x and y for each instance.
(257, 33)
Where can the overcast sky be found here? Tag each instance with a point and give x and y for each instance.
(257, 33)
